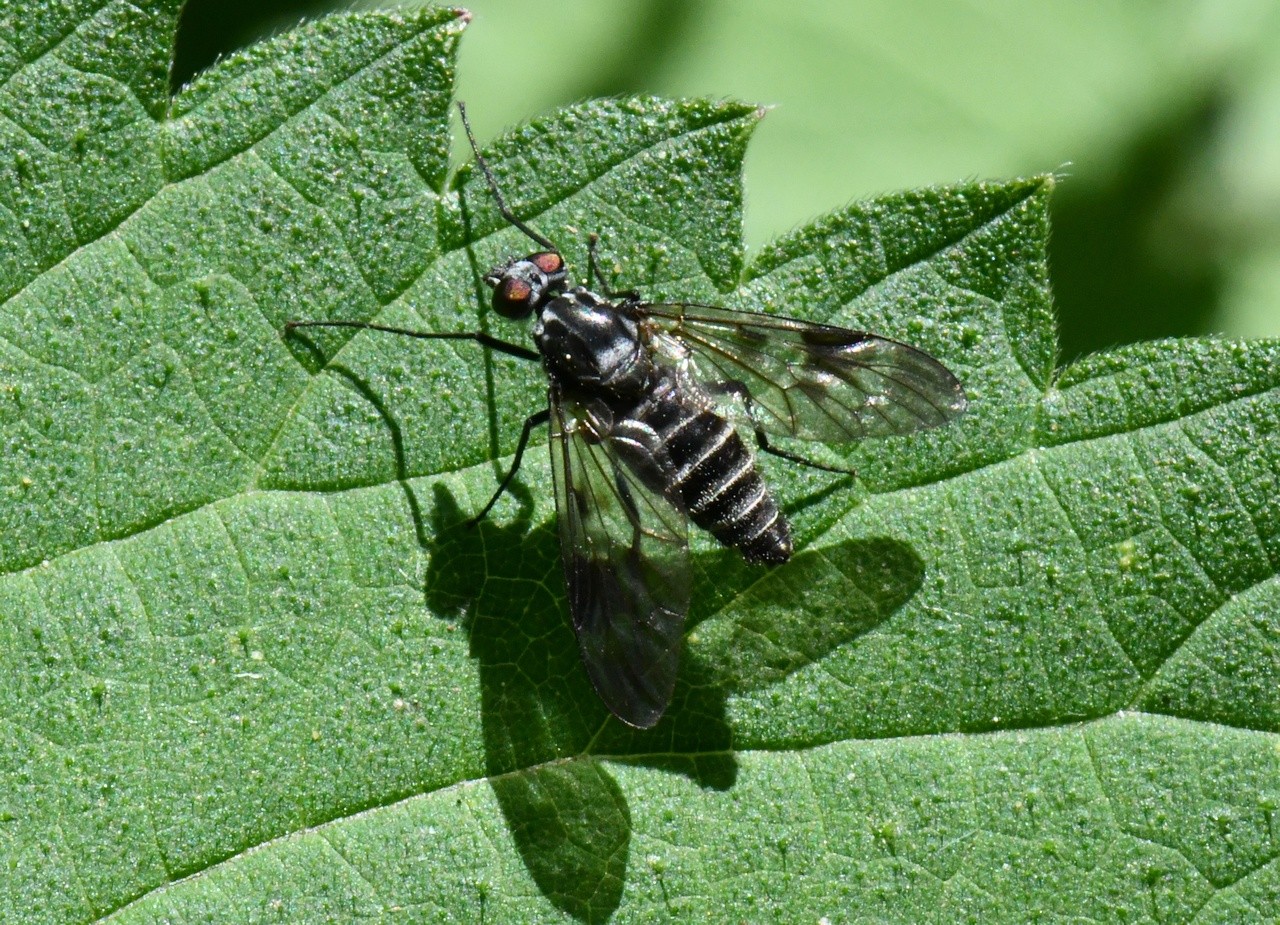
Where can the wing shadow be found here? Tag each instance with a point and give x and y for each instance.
(547, 735)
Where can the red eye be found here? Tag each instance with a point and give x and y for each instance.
(513, 298)
(516, 291)
(548, 262)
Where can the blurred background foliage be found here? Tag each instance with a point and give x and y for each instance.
(1163, 116)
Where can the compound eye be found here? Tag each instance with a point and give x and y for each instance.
(513, 298)
(549, 262)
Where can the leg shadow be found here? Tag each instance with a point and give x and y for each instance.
(565, 812)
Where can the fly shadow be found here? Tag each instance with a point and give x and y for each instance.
(547, 735)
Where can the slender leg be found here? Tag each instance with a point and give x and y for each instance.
(765, 446)
(593, 271)
(593, 268)
(480, 337)
(740, 391)
(532, 421)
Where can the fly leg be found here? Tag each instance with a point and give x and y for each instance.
(532, 421)
(739, 391)
(484, 340)
(593, 271)
(765, 446)
(480, 337)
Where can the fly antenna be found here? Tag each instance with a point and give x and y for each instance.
(493, 184)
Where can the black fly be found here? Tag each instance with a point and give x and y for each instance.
(644, 404)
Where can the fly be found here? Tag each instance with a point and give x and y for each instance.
(645, 402)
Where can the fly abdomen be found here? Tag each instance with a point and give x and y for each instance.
(722, 491)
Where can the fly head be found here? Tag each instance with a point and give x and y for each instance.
(524, 285)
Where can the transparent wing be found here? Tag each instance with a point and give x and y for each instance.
(806, 380)
(626, 564)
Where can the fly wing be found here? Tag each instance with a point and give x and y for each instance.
(806, 380)
(626, 564)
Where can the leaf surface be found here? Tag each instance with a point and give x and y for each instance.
(254, 667)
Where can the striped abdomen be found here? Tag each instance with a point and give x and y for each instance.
(716, 477)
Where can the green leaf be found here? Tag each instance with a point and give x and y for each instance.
(255, 669)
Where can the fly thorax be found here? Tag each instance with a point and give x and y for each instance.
(589, 342)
